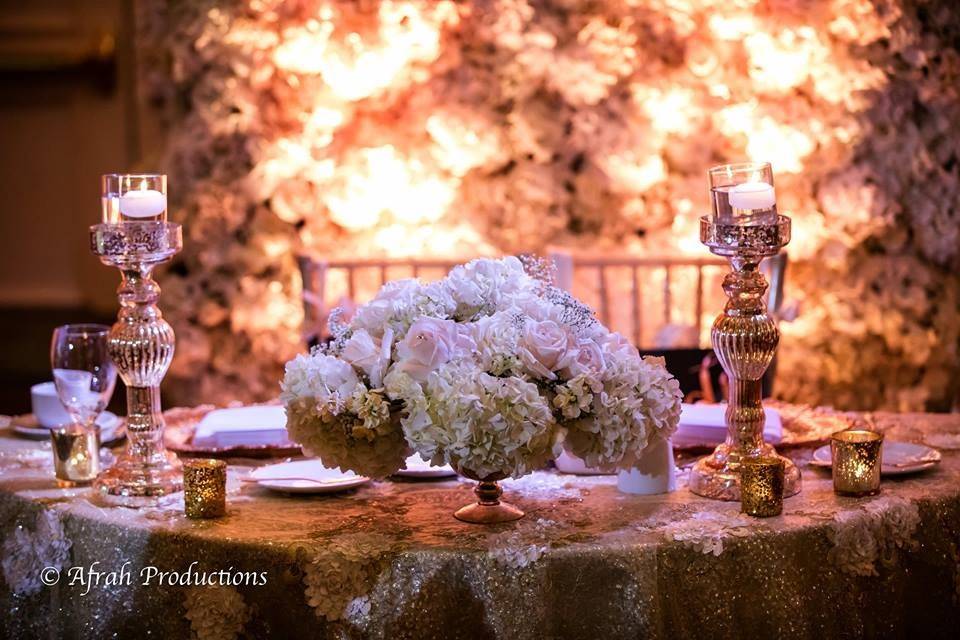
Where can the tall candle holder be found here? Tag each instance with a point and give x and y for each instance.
(141, 344)
(744, 336)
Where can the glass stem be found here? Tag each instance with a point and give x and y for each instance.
(745, 340)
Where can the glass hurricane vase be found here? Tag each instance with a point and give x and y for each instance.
(141, 344)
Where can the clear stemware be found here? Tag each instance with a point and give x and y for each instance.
(83, 371)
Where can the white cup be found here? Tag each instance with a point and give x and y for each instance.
(47, 407)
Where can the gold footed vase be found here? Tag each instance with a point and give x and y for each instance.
(488, 509)
(745, 340)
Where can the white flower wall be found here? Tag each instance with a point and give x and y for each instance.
(394, 128)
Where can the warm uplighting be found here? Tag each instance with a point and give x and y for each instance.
(441, 129)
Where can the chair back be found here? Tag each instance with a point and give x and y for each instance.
(659, 302)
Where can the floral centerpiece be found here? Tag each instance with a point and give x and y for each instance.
(491, 370)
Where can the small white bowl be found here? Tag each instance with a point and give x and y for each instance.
(47, 407)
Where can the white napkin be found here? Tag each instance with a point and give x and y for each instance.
(705, 424)
(243, 426)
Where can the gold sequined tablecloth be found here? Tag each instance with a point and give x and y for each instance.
(388, 561)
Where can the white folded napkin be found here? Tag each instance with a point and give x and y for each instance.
(705, 424)
(243, 426)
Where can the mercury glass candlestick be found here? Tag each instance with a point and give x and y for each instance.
(141, 344)
(744, 336)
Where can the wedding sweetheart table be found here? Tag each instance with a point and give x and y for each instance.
(388, 560)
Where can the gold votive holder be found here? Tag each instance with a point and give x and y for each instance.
(205, 488)
(76, 454)
(857, 455)
(761, 486)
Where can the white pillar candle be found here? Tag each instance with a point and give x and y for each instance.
(143, 203)
(655, 471)
(753, 196)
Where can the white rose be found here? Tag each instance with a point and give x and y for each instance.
(368, 354)
(463, 289)
(391, 300)
(429, 343)
(589, 360)
(546, 347)
(318, 376)
(616, 344)
(336, 375)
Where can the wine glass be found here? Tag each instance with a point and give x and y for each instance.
(83, 372)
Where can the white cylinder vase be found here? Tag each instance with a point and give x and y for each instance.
(655, 471)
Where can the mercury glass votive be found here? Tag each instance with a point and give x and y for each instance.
(205, 488)
(76, 454)
(133, 197)
(761, 486)
(857, 455)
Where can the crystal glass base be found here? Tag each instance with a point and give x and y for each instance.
(718, 475)
(488, 509)
(132, 483)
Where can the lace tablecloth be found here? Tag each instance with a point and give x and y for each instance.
(389, 561)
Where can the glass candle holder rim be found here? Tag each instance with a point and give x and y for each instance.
(762, 461)
(204, 463)
(140, 175)
(856, 436)
(745, 166)
(68, 427)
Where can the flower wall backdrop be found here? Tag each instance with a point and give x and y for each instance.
(395, 128)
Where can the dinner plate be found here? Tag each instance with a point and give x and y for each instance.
(306, 476)
(27, 426)
(419, 468)
(899, 458)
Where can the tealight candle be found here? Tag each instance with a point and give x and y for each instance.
(857, 455)
(143, 203)
(761, 486)
(753, 196)
(134, 198)
(205, 488)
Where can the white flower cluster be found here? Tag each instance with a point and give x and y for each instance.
(488, 370)
(706, 531)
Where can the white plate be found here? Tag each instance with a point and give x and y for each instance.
(107, 421)
(899, 458)
(418, 468)
(316, 478)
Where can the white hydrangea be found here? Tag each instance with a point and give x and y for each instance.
(639, 400)
(482, 287)
(480, 424)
